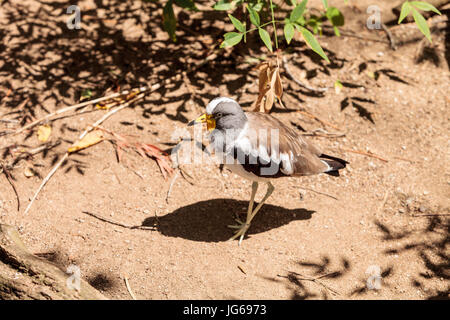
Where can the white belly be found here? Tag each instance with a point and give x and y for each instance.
(239, 170)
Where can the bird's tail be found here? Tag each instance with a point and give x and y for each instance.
(334, 164)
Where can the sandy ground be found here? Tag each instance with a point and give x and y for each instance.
(388, 220)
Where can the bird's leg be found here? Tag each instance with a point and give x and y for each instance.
(250, 207)
(250, 216)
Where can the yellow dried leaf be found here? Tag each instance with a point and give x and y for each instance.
(90, 139)
(44, 133)
(371, 74)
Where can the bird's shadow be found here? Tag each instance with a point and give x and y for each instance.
(208, 220)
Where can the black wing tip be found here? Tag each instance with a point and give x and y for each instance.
(333, 173)
(342, 162)
(336, 164)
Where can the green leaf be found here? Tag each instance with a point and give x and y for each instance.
(336, 31)
(325, 3)
(298, 11)
(289, 32)
(421, 23)
(301, 21)
(86, 94)
(265, 37)
(314, 24)
(236, 23)
(257, 7)
(335, 16)
(338, 86)
(312, 43)
(406, 9)
(169, 21)
(231, 39)
(425, 6)
(186, 4)
(254, 16)
(223, 5)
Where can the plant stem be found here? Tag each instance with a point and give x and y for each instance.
(263, 25)
(274, 27)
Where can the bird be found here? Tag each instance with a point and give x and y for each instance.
(259, 147)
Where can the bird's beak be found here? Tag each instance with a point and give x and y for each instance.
(210, 121)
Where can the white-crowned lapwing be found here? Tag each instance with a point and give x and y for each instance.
(259, 147)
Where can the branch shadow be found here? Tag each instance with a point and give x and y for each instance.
(430, 245)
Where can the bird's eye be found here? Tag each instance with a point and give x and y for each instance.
(219, 115)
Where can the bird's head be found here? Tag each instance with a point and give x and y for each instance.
(222, 113)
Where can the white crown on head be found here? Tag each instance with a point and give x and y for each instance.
(214, 102)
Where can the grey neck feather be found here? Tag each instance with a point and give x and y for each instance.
(228, 127)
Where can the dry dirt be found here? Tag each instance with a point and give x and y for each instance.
(388, 215)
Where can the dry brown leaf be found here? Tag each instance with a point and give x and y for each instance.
(278, 85)
(270, 86)
(44, 133)
(90, 139)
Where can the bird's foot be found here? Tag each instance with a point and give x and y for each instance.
(241, 229)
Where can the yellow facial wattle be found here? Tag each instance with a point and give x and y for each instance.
(210, 121)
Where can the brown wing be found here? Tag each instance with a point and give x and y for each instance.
(295, 155)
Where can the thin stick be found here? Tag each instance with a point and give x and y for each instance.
(10, 180)
(242, 270)
(300, 277)
(76, 106)
(318, 119)
(351, 34)
(44, 182)
(403, 159)
(66, 155)
(32, 152)
(369, 154)
(318, 192)
(171, 185)
(9, 120)
(301, 84)
(430, 215)
(129, 289)
(391, 38)
(116, 223)
(185, 174)
(324, 133)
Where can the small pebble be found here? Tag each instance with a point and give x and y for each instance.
(422, 209)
